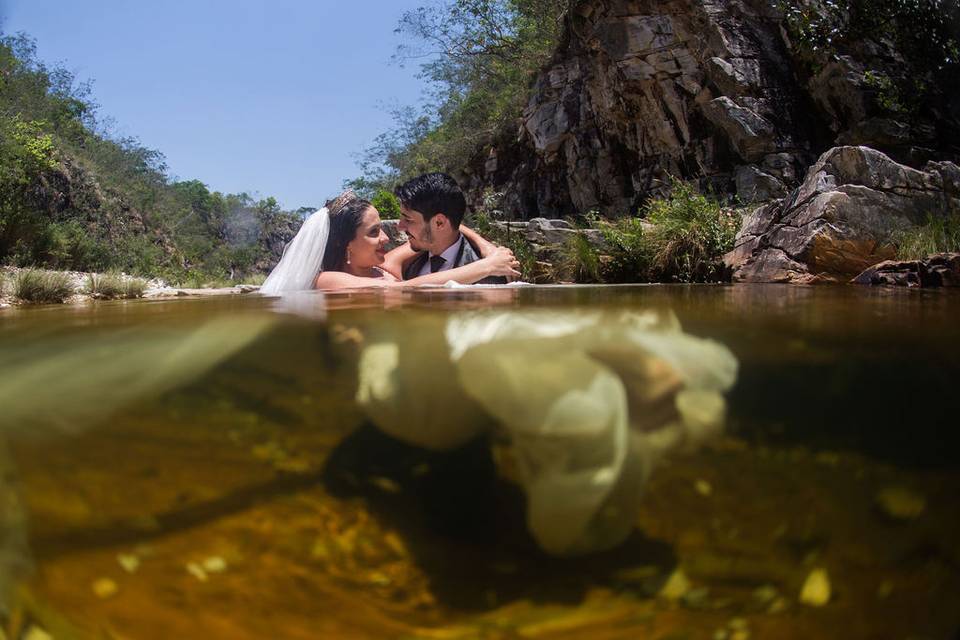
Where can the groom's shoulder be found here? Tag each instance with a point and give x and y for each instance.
(469, 254)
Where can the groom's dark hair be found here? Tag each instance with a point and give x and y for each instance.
(433, 193)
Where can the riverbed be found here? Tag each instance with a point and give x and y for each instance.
(201, 468)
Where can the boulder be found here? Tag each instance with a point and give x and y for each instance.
(392, 229)
(937, 270)
(842, 219)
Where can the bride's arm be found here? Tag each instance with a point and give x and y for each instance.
(399, 256)
(500, 263)
(396, 258)
(484, 246)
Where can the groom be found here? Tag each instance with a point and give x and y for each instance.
(431, 209)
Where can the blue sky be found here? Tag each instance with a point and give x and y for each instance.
(273, 97)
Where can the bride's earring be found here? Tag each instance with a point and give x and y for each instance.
(348, 256)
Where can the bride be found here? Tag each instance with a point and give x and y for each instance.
(343, 246)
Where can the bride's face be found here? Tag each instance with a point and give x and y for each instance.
(367, 248)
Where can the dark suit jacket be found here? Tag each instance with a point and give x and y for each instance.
(465, 255)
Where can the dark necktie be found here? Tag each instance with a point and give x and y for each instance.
(436, 263)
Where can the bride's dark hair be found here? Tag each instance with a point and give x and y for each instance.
(346, 215)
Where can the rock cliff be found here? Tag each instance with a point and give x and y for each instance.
(714, 90)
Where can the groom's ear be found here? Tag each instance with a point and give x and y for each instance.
(440, 221)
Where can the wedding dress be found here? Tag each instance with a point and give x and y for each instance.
(589, 401)
(302, 257)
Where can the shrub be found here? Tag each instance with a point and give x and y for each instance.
(481, 222)
(941, 234)
(255, 279)
(134, 288)
(387, 204)
(524, 253)
(629, 253)
(104, 286)
(38, 286)
(689, 236)
(71, 246)
(579, 260)
(112, 286)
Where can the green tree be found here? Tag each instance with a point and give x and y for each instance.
(480, 56)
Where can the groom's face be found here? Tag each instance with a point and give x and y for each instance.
(417, 229)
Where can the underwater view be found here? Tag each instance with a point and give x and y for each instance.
(718, 462)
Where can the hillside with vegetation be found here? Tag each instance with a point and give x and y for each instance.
(75, 197)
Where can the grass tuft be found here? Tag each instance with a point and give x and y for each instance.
(39, 286)
(134, 288)
(941, 234)
(579, 260)
(109, 286)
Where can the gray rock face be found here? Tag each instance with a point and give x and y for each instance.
(842, 219)
(751, 135)
(640, 91)
(544, 232)
(754, 185)
(392, 229)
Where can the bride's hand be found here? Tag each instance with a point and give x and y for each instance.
(502, 263)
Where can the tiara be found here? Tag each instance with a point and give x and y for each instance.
(342, 200)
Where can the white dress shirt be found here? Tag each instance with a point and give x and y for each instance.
(449, 255)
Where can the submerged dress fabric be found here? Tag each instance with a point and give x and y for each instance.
(589, 402)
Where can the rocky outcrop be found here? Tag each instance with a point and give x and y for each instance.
(640, 91)
(842, 219)
(938, 270)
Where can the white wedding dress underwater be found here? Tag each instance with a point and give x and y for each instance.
(588, 401)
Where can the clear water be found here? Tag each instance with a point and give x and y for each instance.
(199, 468)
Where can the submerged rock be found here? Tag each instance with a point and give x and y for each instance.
(816, 589)
(900, 503)
(104, 588)
(36, 633)
(214, 564)
(676, 587)
(129, 562)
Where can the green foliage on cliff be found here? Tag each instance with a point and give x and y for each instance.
(72, 196)
(480, 58)
(926, 33)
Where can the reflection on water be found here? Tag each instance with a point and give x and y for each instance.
(201, 468)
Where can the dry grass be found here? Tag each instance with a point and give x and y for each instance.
(109, 286)
(941, 234)
(38, 286)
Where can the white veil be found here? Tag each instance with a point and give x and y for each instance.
(302, 258)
